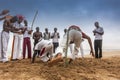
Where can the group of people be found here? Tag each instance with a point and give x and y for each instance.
(14, 24)
(47, 50)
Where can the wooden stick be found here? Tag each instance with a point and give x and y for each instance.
(66, 61)
(34, 19)
(12, 47)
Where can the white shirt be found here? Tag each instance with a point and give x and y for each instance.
(26, 32)
(41, 44)
(46, 36)
(17, 25)
(98, 36)
(55, 37)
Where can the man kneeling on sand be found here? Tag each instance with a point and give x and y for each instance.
(45, 47)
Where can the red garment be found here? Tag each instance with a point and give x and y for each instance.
(26, 43)
(42, 51)
(83, 35)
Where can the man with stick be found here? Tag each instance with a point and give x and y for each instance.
(26, 40)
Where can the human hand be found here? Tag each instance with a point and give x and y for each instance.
(5, 12)
(92, 53)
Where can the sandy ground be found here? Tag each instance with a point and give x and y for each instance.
(107, 68)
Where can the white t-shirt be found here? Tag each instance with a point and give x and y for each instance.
(55, 37)
(42, 43)
(26, 32)
(17, 25)
(46, 36)
(98, 36)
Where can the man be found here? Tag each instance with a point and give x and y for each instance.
(7, 27)
(26, 40)
(46, 34)
(65, 32)
(98, 32)
(36, 36)
(84, 36)
(45, 47)
(17, 40)
(55, 36)
(4, 41)
(74, 36)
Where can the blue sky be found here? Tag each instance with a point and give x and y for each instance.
(63, 13)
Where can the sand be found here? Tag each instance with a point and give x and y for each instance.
(107, 68)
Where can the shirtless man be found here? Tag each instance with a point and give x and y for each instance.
(7, 27)
(36, 36)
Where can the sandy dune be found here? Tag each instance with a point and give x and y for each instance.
(107, 68)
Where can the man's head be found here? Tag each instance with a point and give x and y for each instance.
(13, 19)
(20, 18)
(46, 29)
(37, 29)
(96, 24)
(65, 30)
(25, 22)
(55, 29)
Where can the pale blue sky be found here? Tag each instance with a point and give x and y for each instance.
(63, 13)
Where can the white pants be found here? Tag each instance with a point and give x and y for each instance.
(76, 37)
(4, 38)
(17, 51)
(48, 49)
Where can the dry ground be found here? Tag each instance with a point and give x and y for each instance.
(107, 68)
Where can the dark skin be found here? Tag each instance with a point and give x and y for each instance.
(65, 30)
(26, 24)
(46, 31)
(97, 26)
(4, 12)
(37, 35)
(85, 36)
(7, 25)
(55, 30)
(16, 30)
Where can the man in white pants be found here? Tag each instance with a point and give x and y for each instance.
(4, 42)
(18, 36)
(45, 47)
(4, 37)
(84, 36)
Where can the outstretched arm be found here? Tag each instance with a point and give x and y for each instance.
(90, 43)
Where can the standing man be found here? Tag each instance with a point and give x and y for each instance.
(4, 40)
(46, 34)
(26, 40)
(65, 32)
(98, 32)
(7, 27)
(17, 46)
(55, 36)
(36, 36)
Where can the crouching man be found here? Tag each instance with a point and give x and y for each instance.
(45, 47)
